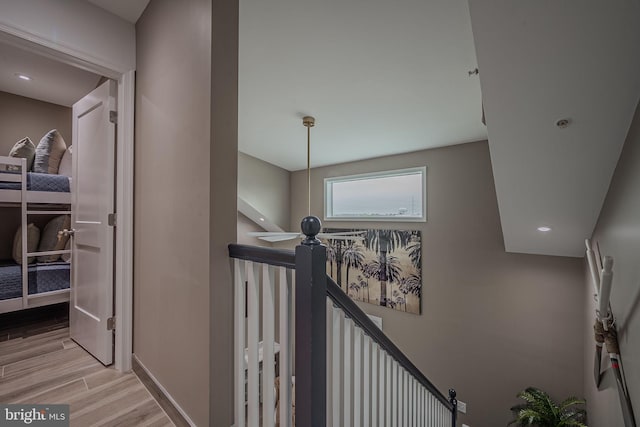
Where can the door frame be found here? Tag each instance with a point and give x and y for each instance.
(123, 259)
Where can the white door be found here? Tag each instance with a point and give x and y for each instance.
(92, 201)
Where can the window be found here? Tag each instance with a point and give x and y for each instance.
(398, 195)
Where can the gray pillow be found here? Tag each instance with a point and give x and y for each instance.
(66, 165)
(23, 149)
(50, 240)
(49, 153)
(33, 237)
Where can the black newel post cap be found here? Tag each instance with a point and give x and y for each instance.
(311, 226)
(452, 395)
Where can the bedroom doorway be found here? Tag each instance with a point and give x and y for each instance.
(119, 337)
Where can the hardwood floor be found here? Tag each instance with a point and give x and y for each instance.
(49, 368)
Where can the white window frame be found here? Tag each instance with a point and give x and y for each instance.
(328, 195)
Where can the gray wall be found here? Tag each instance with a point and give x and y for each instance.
(265, 187)
(492, 323)
(223, 200)
(172, 191)
(20, 117)
(618, 235)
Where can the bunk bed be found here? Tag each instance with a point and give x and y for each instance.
(28, 285)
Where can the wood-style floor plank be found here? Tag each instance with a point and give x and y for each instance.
(50, 368)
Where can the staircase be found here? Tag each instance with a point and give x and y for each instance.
(293, 322)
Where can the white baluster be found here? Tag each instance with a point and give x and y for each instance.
(422, 421)
(330, 366)
(405, 398)
(397, 387)
(239, 331)
(416, 402)
(336, 381)
(432, 415)
(389, 391)
(268, 338)
(357, 376)
(366, 381)
(375, 350)
(253, 321)
(346, 377)
(286, 315)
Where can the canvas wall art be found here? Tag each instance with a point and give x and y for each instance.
(385, 268)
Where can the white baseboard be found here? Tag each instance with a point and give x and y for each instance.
(165, 392)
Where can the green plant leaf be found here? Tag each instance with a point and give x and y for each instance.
(540, 410)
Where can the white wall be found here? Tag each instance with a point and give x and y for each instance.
(73, 26)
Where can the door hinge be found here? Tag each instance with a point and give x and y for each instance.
(113, 116)
(112, 219)
(111, 323)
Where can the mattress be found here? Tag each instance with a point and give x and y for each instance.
(43, 277)
(40, 182)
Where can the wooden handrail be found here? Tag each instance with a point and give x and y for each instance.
(277, 257)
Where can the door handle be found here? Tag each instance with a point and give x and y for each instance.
(66, 232)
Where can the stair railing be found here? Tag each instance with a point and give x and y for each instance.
(337, 369)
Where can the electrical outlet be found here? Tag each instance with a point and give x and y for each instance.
(462, 407)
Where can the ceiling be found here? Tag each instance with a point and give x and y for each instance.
(541, 61)
(51, 81)
(380, 78)
(129, 10)
(389, 77)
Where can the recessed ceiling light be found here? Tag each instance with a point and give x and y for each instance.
(261, 219)
(544, 229)
(23, 76)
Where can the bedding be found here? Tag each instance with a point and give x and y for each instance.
(40, 182)
(42, 278)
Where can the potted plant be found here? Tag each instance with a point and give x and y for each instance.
(540, 410)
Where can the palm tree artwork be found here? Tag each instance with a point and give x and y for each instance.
(385, 268)
(353, 258)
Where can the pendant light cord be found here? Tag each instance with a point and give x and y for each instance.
(308, 122)
(309, 168)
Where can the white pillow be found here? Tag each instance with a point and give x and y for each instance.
(33, 237)
(66, 164)
(49, 153)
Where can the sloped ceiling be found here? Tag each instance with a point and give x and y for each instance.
(541, 61)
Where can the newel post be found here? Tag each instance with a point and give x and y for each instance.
(454, 403)
(310, 327)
